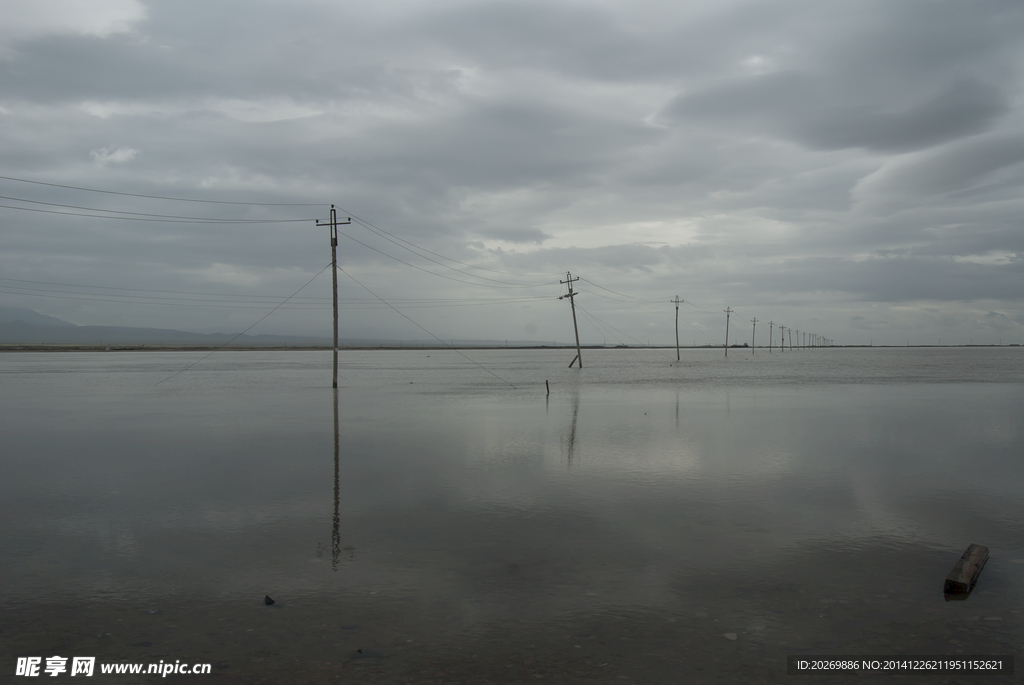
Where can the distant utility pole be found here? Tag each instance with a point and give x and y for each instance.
(753, 337)
(569, 280)
(771, 326)
(728, 311)
(334, 272)
(677, 301)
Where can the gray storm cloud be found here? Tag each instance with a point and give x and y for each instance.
(795, 160)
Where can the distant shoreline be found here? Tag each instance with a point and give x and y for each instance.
(13, 347)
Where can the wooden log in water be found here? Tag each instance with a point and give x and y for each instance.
(965, 574)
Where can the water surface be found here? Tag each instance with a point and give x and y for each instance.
(459, 524)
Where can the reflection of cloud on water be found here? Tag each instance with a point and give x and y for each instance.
(467, 504)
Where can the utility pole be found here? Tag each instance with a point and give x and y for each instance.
(782, 330)
(334, 272)
(569, 280)
(728, 311)
(753, 337)
(771, 326)
(677, 301)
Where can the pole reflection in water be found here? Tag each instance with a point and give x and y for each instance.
(336, 548)
(572, 429)
(335, 530)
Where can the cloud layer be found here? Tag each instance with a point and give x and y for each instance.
(823, 165)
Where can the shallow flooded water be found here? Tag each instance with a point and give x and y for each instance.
(438, 521)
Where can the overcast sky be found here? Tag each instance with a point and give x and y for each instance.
(848, 169)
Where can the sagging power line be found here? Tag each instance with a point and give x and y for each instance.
(163, 197)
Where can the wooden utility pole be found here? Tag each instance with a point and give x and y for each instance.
(677, 301)
(728, 311)
(771, 326)
(782, 330)
(334, 272)
(753, 337)
(569, 279)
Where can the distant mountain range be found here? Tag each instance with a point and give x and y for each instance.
(19, 326)
(24, 326)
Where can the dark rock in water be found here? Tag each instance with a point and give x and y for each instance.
(268, 601)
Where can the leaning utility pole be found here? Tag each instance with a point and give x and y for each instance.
(334, 272)
(569, 279)
(728, 311)
(677, 301)
(771, 327)
(753, 337)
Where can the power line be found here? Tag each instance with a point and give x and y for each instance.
(141, 290)
(162, 197)
(299, 303)
(613, 299)
(434, 273)
(620, 331)
(164, 221)
(443, 265)
(637, 299)
(424, 329)
(273, 297)
(371, 227)
(115, 211)
(699, 309)
(606, 332)
(247, 329)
